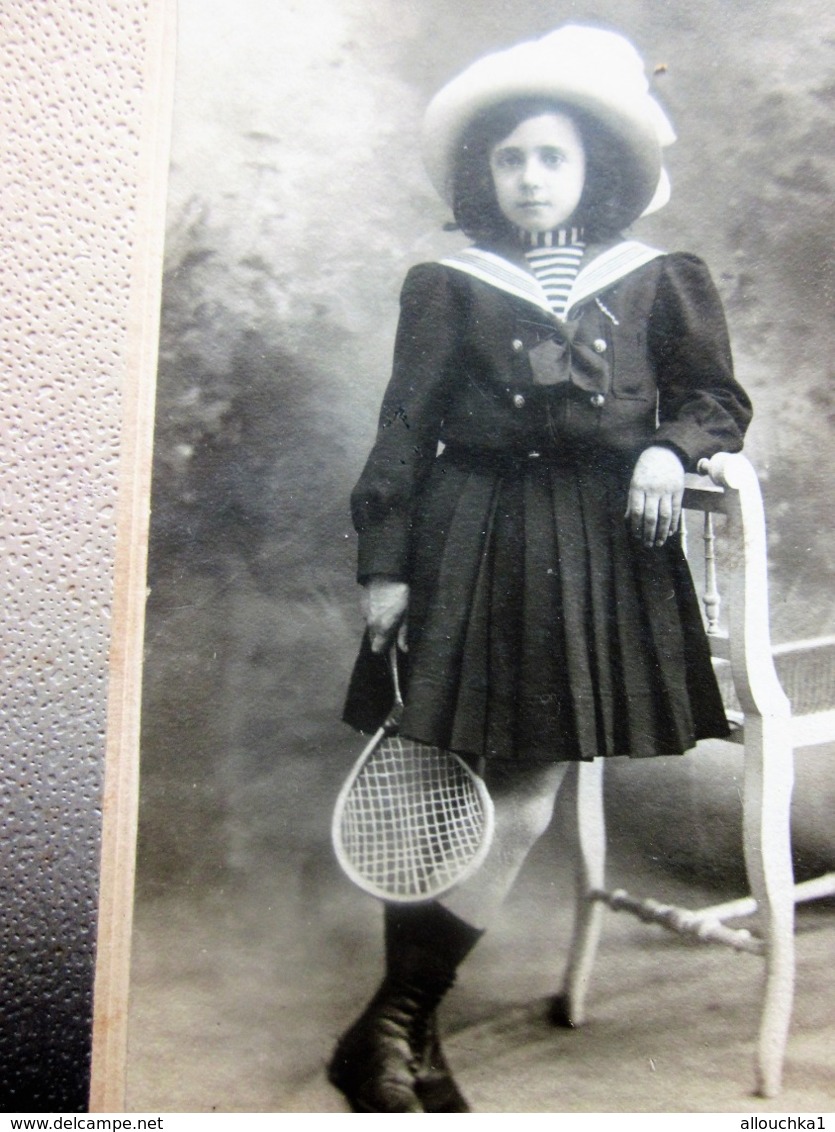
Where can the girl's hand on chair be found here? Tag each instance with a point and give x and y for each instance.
(384, 605)
(653, 511)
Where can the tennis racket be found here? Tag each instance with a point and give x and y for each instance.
(411, 821)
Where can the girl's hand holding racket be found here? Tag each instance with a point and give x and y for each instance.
(384, 605)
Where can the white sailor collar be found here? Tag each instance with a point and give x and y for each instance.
(600, 272)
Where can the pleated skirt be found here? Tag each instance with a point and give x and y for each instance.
(539, 629)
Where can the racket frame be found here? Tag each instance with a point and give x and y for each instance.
(389, 729)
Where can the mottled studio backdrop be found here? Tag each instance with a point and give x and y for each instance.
(297, 202)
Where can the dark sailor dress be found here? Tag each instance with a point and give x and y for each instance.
(539, 629)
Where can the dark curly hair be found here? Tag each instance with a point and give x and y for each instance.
(602, 211)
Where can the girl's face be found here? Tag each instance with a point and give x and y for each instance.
(538, 172)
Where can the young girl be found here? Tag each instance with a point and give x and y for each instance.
(571, 377)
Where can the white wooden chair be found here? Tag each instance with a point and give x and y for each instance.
(762, 719)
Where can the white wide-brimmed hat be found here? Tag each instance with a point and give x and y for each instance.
(599, 72)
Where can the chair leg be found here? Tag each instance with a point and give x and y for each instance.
(584, 784)
(768, 860)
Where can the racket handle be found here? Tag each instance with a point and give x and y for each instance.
(392, 721)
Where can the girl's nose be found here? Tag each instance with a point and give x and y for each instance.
(531, 172)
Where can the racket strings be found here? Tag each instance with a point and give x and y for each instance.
(414, 819)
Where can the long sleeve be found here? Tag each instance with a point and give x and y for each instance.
(702, 408)
(410, 420)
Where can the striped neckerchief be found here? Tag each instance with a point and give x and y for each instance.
(554, 258)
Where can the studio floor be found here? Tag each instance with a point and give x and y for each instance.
(240, 990)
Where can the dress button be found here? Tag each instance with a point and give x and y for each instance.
(517, 344)
(599, 344)
(518, 401)
(597, 399)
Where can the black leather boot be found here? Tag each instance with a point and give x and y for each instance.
(391, 1060)
(374, 1063)
(434, 1083)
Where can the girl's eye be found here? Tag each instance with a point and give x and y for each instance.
(553, 158)
(507, 158)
